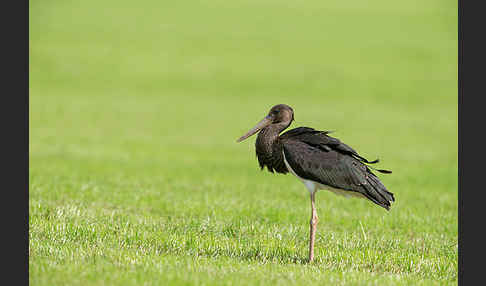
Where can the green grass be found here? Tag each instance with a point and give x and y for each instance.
(134, 174)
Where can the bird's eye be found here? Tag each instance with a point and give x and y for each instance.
(275, 111)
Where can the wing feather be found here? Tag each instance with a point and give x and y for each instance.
(315, 156)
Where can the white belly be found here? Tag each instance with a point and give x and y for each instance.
(313, 186)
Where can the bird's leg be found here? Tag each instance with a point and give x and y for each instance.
(313, 226)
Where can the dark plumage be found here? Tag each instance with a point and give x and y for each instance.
(316, 156)
(319, 160)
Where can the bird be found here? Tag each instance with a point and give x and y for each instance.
(320, 161)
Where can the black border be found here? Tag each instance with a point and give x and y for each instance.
(14, 20)
(471, 126)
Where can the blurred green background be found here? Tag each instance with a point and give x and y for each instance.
(135, 176)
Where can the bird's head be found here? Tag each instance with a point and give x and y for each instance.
(279, 114)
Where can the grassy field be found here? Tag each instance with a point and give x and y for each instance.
(135, 177)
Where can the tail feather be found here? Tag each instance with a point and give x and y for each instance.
(381, 170)
(364, 160)
(377, 192)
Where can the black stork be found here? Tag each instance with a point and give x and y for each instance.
(318, 160)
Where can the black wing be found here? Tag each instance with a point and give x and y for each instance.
(321, 140)
(315, 156)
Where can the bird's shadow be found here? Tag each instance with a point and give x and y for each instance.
(252, 254)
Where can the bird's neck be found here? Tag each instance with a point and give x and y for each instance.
(269, 135)
(268, 148)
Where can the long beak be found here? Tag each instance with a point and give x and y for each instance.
(260, 125)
